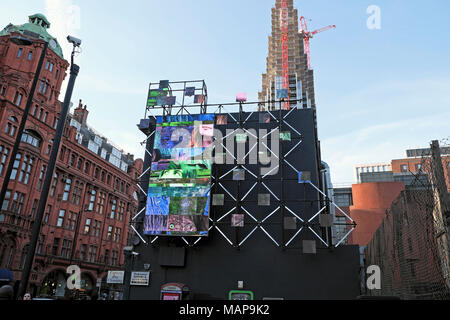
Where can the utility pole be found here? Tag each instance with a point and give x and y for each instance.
(439, 177)
(443, 202)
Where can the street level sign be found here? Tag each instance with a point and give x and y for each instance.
(115, 277)
(140, 278)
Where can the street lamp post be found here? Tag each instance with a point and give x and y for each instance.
(23, 42)
(128, 266)
(49, 175)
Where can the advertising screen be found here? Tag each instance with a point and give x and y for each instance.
(180, 178)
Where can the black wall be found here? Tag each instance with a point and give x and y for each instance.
(213, 266)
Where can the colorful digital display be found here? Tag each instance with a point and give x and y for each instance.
(190, 91)
(199, 98)
(160, 97)
(164, 84)
(222, 120)
(180, 178)
(237, 220)
(282, 93)
(155, 96)
(285, 136)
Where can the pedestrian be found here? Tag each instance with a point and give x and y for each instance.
(6, 291)
(27, 296)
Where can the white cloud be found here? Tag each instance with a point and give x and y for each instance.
(380, 143)
(60, 14)
(381, 121)
(64, 19)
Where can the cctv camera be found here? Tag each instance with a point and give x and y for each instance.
(75, 41)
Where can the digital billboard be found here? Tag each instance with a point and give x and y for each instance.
(180, 178)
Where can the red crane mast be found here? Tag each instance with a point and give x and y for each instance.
(285, 50)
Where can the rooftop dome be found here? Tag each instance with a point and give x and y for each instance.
(39, 19)
(36, 28)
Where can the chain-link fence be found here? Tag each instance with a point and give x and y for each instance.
(411, 246)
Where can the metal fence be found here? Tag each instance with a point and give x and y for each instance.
(411, 246)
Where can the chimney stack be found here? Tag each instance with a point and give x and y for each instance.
(80, 114)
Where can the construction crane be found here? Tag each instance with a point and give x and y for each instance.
(308, 35)
(285, 50)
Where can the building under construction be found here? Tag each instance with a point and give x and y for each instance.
(288, 65)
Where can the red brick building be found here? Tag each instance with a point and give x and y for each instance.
(93, 193)
(406, 248)
(414, 164)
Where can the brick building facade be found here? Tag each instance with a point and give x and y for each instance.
(93, 192)
(414, 164)
(406, 246)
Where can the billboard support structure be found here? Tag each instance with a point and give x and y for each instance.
(168, 96)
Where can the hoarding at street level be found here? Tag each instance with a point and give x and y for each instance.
(180, 178)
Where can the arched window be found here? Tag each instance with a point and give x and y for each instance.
(32, 138)
(18, 98)
(11, 126)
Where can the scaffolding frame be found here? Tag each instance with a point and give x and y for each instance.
(322, 234)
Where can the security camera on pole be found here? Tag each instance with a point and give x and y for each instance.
(75, 41)
(74, 69)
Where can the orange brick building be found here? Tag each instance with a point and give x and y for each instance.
(370, 203)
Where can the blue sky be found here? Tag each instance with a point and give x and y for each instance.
(378, 92)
